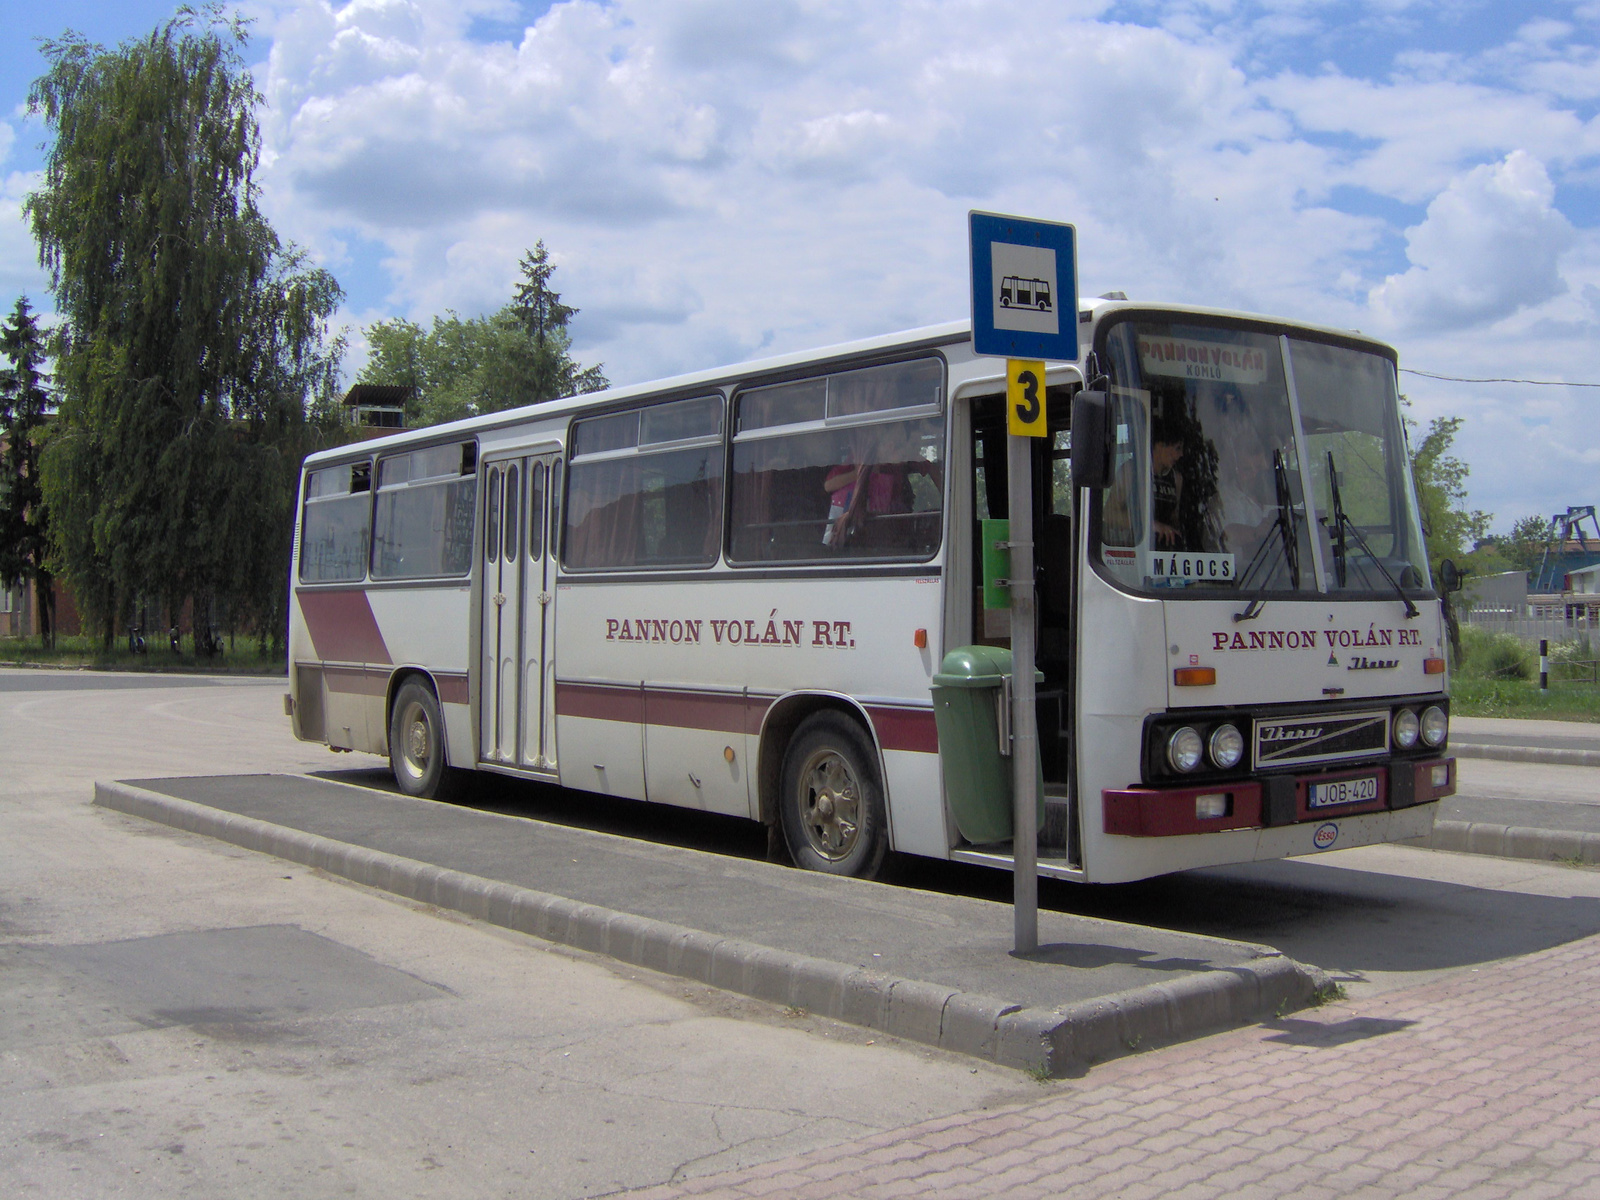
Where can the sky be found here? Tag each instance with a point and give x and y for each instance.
(719, 180)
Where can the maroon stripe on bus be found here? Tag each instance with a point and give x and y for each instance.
(356, 681)
(755, 713)
(600, 701)
(723, 712)
(342, 626)
(452, 688)
(905, 728)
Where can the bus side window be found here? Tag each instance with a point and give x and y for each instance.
(844, 465)
(336, 526)
(780, 507)
(646, 488)
(426, 505)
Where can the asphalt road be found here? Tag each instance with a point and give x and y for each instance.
(180, 1017)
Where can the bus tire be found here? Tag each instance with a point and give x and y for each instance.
(416, 744)
(831, 802)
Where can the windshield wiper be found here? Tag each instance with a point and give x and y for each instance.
(1343, 523)
(1283, 526)
(1339, 523)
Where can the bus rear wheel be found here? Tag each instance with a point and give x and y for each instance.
(831, 804)
(416, 744)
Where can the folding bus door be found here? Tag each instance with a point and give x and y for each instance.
(499, 707)
(538, 741)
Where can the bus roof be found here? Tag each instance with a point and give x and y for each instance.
(929, 336)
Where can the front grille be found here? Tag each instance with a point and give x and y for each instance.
(1320, 738)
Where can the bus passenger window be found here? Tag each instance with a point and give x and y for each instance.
(336, 525)
(427, 501)
(848, 465)
(651, 494)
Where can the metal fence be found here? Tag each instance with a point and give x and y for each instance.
(1530, 628)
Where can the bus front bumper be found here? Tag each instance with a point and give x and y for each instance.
(1273, 800)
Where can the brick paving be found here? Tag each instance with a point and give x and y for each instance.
(1482, 1085)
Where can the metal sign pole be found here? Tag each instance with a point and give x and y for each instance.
(1025, 310)
(1024, 715)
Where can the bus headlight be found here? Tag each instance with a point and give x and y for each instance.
(1184, 749)
(1405, 729)
(1227, 747)
(1434, 725)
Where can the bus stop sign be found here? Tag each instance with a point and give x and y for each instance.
(1024, 287)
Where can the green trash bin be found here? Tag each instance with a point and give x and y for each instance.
(977, 777)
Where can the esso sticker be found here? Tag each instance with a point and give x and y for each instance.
(1325, 836)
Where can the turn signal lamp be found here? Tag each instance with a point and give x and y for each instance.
(1433, 666)
(1194, 676)
(1440, 776)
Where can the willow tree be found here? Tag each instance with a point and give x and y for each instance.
(194, 342)
(24, 519)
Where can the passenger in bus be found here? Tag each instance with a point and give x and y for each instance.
(875, 481)
(840, 484)
(1246, 499)
(1166, 487)
(1246, 492)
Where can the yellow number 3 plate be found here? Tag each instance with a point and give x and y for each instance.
(1025, 397)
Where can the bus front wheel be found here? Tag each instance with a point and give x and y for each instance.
(831, 803)
(416, 744)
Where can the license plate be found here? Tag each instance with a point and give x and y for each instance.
(1342, 791)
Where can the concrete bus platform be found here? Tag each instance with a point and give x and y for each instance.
(1532, 793)
(1509, 739)
(928, 967)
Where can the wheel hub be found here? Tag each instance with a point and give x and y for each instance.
(414, 738)
(832, 805)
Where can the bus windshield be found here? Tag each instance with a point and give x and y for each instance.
(1251, 462)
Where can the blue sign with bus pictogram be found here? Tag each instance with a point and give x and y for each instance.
(1024, 287)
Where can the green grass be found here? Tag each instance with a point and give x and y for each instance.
(1498, 676)
(86, 652)
(1471, 697)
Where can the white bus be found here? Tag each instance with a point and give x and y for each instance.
(731, 591)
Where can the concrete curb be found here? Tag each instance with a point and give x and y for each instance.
(1553, 755)
(1512, 841)
(1049, 1041)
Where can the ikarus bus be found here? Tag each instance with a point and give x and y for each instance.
(732, 591)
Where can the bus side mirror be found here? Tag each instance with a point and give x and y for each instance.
(1450, 576)
(1091, 445)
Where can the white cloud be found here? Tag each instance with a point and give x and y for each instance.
(1489, 247)
(1419, 132)
(20, 272)
(718, 179)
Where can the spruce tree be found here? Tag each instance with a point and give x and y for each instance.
(520, 355)
(24, 519)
